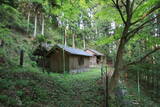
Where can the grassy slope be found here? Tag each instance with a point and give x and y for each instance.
(33, 89)
(10, 52)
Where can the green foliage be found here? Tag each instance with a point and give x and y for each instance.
(110, 39)
(5, 84)
(143, 8)
(40, 38)
(3, 98)
(8, 101)
(19, 93)
(11, 17)
(4, 34)
(108, 13)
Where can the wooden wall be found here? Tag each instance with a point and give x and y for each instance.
(56, 61)
(78, 62)
(93, 61)
(72, 62)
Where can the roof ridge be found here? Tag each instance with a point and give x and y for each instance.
(95, 51)
(75, 51)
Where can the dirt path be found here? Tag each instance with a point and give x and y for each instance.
(80, 90)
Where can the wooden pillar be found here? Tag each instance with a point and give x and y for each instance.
(1, 43)
(21, 57)
(106, 94)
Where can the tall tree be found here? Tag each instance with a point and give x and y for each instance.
(73, 40)
(43, 24)
(132, 24)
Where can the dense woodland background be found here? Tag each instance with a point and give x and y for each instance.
(126, 31)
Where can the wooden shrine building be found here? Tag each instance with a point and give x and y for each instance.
(60, 58)
(63, 58)
(96, 59)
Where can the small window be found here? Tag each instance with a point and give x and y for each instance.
(80, 60)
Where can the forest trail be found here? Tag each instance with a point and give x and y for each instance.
(81, 90)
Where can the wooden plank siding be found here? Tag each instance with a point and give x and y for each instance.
(78, 63)
(75, 63)
(56, 61)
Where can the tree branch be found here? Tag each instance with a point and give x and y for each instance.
(134, 31)
(146, 14)
(132, 6)
(123, 3)
(140, 3)
(144, 57)
(128, 8)
(119, 10)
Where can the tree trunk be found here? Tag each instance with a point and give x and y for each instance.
(43, 21)
(118, 66)
(84, 43)
(73, 40)
(28, 20)
(65, 37)
(35, 26)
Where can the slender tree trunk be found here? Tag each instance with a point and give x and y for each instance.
(158, 25)
(73, 40)
(35, 26)
(84, 43)
(28, 20)
(43, 22)
(65, 37)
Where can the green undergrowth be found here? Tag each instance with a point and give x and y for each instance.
(83, 89)
(37, 89)
(134, 97)
(140, 98)
(14, 42)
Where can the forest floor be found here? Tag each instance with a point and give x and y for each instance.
(35, 89)
(139, 98)
(133, 96)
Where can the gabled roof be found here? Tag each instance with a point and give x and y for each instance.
(96, 52)
(73, 51)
